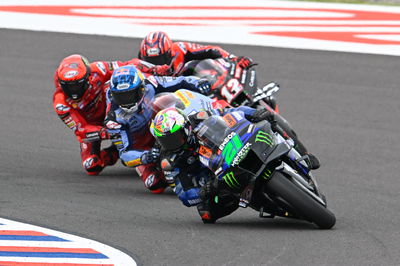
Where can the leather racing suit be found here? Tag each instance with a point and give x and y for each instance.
(130, 131)
(85, 117)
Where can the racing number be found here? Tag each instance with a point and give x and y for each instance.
(231, 89)
(231, 149)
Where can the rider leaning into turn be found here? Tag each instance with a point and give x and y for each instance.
(158, 49)
(182, 153)
(129, 113)
(79, 101)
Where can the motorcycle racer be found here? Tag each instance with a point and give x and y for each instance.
(129, 112)
(79, 101)
(158, 49)
(185, 158)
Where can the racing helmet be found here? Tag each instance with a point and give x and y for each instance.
(156, 48)
(170, 128)
(127, 90)
(73, 76)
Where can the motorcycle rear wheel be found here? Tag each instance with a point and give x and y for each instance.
(301, 202)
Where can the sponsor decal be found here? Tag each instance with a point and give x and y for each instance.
(243, 78)
(204, 151)
(189, 94)
(121, 71)
(115, 65)
(152, 81)
(238, 72)
(267, 174)
(230, 180)
(241, 154)
(233, 70)
(218, 171)
(101, 67)
(88, 163)
(231, 89)
(62, 108)
(73, 65)
(252, 78)
(182, 46)
(134, 163)
(72, 125)
(122, 86)
(149, 181)
(226, 140)
(113, 125)
(92, 134)
(183, 98)
(204, 161)
(153, 51)
(231, 149)
(229, 120)
(265, 138)
(70, 74)
(237, 115)
(110, 66)
(194, 201)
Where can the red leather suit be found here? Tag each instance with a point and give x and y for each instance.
(183, 52)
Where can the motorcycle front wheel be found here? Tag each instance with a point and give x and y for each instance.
(300, 202)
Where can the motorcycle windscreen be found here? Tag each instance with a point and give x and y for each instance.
(166, 100)
(213, 132)
(211, 70)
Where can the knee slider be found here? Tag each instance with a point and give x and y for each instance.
(92, 164)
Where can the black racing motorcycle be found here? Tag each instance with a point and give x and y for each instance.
(232, 83)
(262, 169)
(237, 86)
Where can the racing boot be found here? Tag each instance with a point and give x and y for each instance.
(109, 156)
(93, 165)
(204, 208)
(152, 178)
(215, 203)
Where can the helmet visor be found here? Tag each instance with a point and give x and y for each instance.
(162, 59)
(74, 89)
(172, 141)
(129, 98)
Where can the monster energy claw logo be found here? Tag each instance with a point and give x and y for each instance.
(264, 137)
(230, 180)
(267, 174)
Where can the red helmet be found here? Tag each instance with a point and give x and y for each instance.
(73, 76)
(156, 48)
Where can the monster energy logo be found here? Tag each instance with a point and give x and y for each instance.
(264, 137)
(230, 180)
(267, 174)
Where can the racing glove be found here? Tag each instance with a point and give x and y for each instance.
(150, 156)
(93, 133)
(190, 197)
(260, 115)
(242, 61)
(204, 86)
(162, 70)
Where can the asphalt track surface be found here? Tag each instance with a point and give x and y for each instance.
(345, 107)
